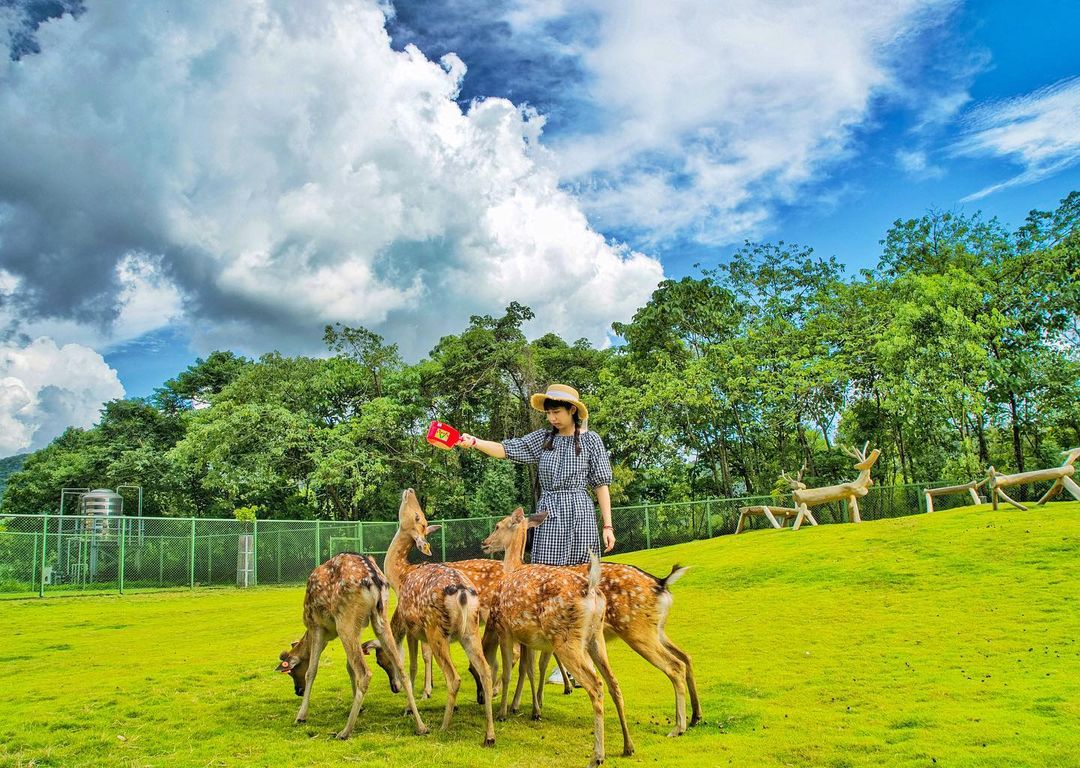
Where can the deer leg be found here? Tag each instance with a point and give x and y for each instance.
(440, 649)
(691, 685)
(538, 695)
(352, 674)
(653, 651)
(1016, 504)
(1071, 487)
(470, 641)
(318, 643)
(580, 668)
(354, 652)
(525, 662)
(428, 669)
(567, 686)
(382, 629)
(412, 641)
(853, 509)
(598, 653)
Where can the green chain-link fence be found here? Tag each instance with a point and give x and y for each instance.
(72, 554)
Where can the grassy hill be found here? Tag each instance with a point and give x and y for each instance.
(935, 640)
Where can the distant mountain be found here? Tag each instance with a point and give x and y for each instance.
(9, 466)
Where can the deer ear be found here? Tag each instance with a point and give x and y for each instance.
(517, 515)
(431, 529)
(538, 518)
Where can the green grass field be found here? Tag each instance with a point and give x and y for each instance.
(935, 640)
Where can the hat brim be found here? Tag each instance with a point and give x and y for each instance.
(537, 402)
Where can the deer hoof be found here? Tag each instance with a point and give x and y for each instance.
(489, 741)
(536, 716)
(422, 730)
(674, 733)
(695, 719)
(300, 721)
(343, 735)
(628, 752)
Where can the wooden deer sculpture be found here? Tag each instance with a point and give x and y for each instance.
(1062, 477)
(637, 609)
(804, 497)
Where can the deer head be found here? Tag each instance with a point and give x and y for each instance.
(796, 484)
(509, 533)
(382, 658)
(294, 662)
(864, 461)
(413, 523)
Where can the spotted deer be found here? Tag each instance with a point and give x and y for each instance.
(436, 604)
(343, 596)
(485, 575)
(553, 609)
(637, 609)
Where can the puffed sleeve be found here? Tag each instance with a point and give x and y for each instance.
(525, 450)
(599, 472)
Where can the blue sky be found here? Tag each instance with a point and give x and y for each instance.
(181, 178)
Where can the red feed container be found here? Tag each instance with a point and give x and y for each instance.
(442, 435)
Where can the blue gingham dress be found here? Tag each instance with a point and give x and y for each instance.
(570, 532)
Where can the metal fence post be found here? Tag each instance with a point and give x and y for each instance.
(708, 517)
(255, 553)
(279, 556)
(648, 534)
(442, 537)
(192, 554)
(360, 530)
(120, 568)
(318, 544)
(44, 551)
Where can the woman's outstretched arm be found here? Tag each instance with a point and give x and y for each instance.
(490, 447)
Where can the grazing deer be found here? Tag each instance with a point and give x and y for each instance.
(343, 595)
(554, 609)
(436, 604)
(637, 609)
(804, 497)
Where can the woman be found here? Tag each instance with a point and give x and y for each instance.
(570, 459)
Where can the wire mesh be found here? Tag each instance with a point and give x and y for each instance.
(71, 554)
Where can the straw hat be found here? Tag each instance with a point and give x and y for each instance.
(563, 393)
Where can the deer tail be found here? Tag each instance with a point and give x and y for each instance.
(594, 572)
(677, 572)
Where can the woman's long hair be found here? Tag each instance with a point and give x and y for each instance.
(549, 444)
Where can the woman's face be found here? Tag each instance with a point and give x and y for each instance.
(561, 417)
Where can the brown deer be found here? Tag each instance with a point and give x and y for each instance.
(343, 595)
(485, 575)
(436, 604)
(637, 609)
(804, 497)
(554, 609)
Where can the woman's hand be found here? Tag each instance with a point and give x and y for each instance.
(609, 538)
(466, 441)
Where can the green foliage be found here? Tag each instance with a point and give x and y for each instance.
(961, 350)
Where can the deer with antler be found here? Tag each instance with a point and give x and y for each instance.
(637, 609)
(343, 595)
(804, 497)
(436, 604)
(554, 609)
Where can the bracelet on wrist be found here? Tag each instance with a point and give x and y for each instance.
(609, 528)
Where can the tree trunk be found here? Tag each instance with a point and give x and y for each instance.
(1018, 448)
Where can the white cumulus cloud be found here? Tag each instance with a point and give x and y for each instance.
(257, 169)
(1039, 131)
(707, 114)
(45, 388)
